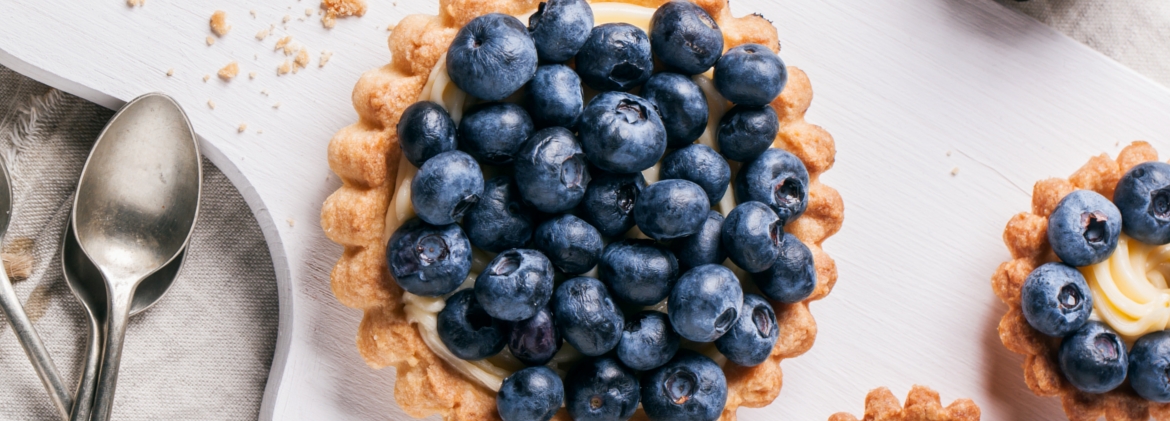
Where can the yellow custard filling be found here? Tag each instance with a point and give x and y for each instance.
(423, 311)
(1129, 289)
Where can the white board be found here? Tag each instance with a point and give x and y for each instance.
(899, 84)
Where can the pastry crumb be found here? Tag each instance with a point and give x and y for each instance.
(328, 21)
(390, 27)
(276, 105)
(948, 153)
(302, 59)
(251, 75)
(955, 171)
(242, 128)
(219, 24)
(206, 78)
(286, 19)
(259, 131)
(210, 40)
(230, 71)
(291, 222)
(170, 72)
(134, 3)
(264, 92)
(253, 13)
(308, 12)
(339, 9)
(262, 34)
(211, 104)
(284, 68)
(325, 56)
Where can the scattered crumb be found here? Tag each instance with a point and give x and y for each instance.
(211, 104)
(955, 171)
(284, 68)
(259, 131)
(206, 78)
(302, 59)
(291, 222)
(276, 105)
(390, 27)
(219, 23)
(948, 153)
(243, 126)
(343, 8)
(255, 56)
(210, 41)
(1117, 143)
(325, 56)
(264, 92)
(230, 71)
(286, 19)
(262, 34)
(253, 13)
(285, 44)
(251, 75)
(170, 72)
(308, 12)
(328, 21)
(133, 3)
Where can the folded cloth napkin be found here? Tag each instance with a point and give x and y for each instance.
(203, 352)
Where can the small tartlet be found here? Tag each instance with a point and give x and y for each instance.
(922, 404)
(366, 154)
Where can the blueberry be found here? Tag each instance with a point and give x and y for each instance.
(681, 104)
(559, 28)
(554, 96)
(531, 394)
(746, 131)
(778, 179)
(648, 341)
(601, 389)
(500, 220)
(1084, 228)
(491, 57)
(793, 276)
(535, 340)
(494, 131)
(750, 74)
(704, 247)
(428, 260)
(551, 170)
(685, 37)
(445, 187)
(515, 284)
(587, 316)
(1093, 359)
(638, 271)
(1143, 197)
(705, 303)
(671, 209)
(701, 165)
(467, 330)
(609, 202)
(1149, 366)
(1056, 299)
(616, 57)
(570, 243)
(752, 236)
(752, 337)
(690, 387)
(425, 130)
(622, 133)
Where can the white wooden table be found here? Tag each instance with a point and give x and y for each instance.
(910, 91)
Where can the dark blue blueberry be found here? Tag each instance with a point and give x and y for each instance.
(1056, 299)
(701, 165)
(752, 337)
(559, 28)
(425, 130)
(704, 247)
(671, 209)
(1093, 359)
(745, 132)
(491, 57)
(778, 179)
(535, 340)
(428, 260)
(531, 394)
(494, 131)
(616, 57)
(500, 220)
(445, 187)
(587, 316)
(1149, 366)
(609, 202)
(1143, 197)
(705, 303)
(682, 105)
(515, 285)
(690, 387)
(554, 96)
(601, 389)
(1084, 228)
(750, 74)
(793, 276)
(752, 236)
(622, 133)
(648, 341)
(685, 37)
(638, 271)
(570, 243)
(551, 170)
(467, 330)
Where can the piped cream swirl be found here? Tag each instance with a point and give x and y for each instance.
(1130, 292)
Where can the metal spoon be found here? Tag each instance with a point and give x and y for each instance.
(136, 205)
(85, 281)
(21, 325)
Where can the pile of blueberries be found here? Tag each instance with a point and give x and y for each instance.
(1083, 230)
(567, 189)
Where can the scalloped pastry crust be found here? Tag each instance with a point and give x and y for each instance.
(1026, 237)
(366, 154)
(922, 404)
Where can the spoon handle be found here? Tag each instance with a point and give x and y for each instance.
(83, 405)
(117, 316)
(33, 347)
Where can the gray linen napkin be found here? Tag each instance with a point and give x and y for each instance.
(203, 352)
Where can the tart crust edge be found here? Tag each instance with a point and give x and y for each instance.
(922, 404)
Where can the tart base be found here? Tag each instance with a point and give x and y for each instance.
(366, 155)
(922, 404)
